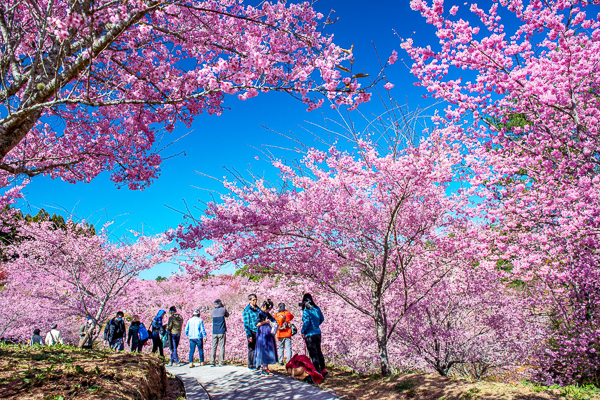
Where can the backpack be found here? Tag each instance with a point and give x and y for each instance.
(294, 330)
(142, 333)
(156, 329)
(119, 328)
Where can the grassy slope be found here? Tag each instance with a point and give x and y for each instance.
(64, 372)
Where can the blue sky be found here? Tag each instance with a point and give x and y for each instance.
(231, 140)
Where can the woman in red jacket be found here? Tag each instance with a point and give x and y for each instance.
(284, 333)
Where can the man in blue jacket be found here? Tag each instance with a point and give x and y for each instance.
(250, 320)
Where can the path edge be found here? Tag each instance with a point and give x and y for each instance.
(193, 388)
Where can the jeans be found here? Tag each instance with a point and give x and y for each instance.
(313, 345)
(287, 343)
(251, 348)
(174, 345)
(137, 346)
(117, 344)
(157, 344)
(218, 340)
(197, 343)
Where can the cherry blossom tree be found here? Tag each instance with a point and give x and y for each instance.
(473, 324)
(78, 273)
(375, 230)
(88, 86)
(528, 122)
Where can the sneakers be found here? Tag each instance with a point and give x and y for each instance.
(213, 365)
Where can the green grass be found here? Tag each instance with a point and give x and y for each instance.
(405, 385)
(575, 392)
(470, 394)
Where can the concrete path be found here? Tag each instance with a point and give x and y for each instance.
(239, 383)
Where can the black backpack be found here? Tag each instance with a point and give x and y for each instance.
(119, 328)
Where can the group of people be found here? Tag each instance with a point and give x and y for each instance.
(52, 337)
(169, 335)
(269, 336)
(261, 329)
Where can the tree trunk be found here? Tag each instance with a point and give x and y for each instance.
(382, 340)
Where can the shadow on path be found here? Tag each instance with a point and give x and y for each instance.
(229, 383)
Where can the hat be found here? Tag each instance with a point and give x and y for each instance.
(196, 312)
(53, 326)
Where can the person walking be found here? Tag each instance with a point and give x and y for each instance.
(114, 332)
(36, 338)
(219, 333)
(284, 332)
(250, 316)
(53, 337)
(266, 349)
(137, 335)
(86, 334)
(312, 318)
(194, 330)
(157, 332)
(174, 327)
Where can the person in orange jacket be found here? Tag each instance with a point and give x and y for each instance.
(284, 333)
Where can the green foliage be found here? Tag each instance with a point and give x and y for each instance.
(254, 272)
(161, 278)
(515, 120)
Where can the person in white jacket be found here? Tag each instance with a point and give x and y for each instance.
(53, 337)
(194, 330)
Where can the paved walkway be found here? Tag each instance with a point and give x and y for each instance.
(239, 383)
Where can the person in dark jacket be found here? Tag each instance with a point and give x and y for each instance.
(133, 337)
(312, 318)
(158, 330)
(219, 334)
(36, 338)
(174, 327)
(114, 332)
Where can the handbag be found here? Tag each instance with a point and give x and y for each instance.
(274, 327)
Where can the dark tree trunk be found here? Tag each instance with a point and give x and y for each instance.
(382, 341)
